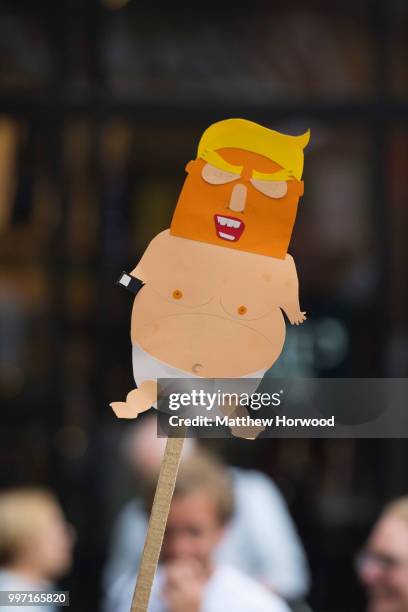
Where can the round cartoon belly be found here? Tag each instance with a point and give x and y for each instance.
(206, 344)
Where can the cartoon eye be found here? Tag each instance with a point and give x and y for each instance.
(177, 294)
(242, 310)
(216, 176)
(272, 189)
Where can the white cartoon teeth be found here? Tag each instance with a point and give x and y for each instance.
(226, 236)
(228, 228)
(228, 222)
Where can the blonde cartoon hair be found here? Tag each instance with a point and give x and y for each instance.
(285, 150)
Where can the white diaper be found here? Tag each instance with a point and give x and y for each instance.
(146, 367)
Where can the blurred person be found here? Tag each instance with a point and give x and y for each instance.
(260, 539)
(383, 564)
(189, 579)
(35, 542)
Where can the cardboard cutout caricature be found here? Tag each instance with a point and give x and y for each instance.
(215, 284)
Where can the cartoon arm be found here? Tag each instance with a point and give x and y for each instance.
(138, 272)
(290, 293)
(150, 262)
(152, 259)
(140, 399)
(134, 280)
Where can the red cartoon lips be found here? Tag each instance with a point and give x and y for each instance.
(228, 228)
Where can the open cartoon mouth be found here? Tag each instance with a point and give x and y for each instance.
(228, 228)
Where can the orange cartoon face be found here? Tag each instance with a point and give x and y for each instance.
(249, 203)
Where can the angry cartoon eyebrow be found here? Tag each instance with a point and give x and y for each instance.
(215, 159)
(279, 175)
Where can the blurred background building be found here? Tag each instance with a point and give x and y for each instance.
(102, 103)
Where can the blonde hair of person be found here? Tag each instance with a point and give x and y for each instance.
(398, 507)
(202, 472)
(22, 513)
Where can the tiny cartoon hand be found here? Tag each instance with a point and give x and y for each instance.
(297, 318)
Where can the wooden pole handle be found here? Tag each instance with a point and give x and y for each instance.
(157, 523)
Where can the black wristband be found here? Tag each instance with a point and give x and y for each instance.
(130, 283)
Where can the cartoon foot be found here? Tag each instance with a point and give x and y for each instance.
(137, 401)
(247, 432)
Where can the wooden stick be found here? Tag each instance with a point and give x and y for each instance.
(157, 523)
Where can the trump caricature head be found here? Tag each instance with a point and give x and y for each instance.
(243, 189)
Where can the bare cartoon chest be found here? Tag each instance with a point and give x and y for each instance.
(196, 275)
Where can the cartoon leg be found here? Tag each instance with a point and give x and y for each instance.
(137, 401)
